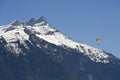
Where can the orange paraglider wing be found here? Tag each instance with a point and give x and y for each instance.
(97, 39)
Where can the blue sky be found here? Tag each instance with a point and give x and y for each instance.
(81, 20)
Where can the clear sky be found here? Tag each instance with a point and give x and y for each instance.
(81, 20)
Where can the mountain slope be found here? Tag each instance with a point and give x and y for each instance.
(37, 51)
(41, 29)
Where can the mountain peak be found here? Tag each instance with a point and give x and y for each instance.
(33, 21)
(15, 23)
(42, 19)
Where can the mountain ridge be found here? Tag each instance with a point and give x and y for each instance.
(43, 30)
(39, 51)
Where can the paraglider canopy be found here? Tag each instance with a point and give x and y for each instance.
(97, 39)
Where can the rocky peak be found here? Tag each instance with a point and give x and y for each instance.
(33, 21)
(42, 19)
(16, 23)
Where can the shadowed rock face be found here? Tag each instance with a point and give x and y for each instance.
(39, 59)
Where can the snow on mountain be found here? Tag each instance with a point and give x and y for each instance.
(12, 34)
(15, 31)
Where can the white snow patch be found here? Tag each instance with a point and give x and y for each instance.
(14, 35)
(11, 36)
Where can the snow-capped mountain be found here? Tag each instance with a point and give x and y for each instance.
(36, 40)
(16, 31)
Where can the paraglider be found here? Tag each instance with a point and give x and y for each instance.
(97, 39)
